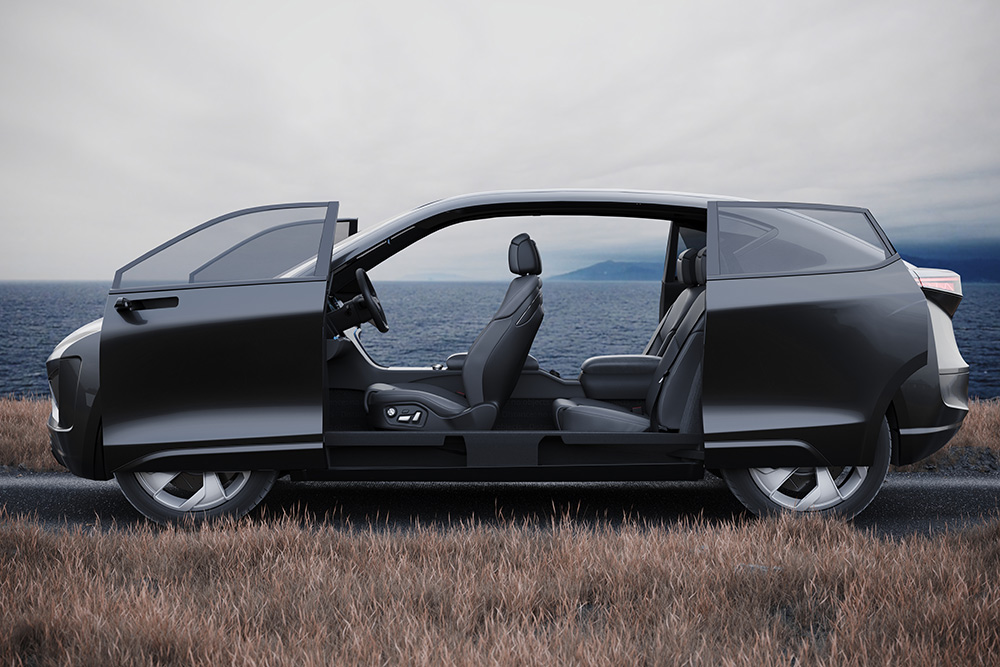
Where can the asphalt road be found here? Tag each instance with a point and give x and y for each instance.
(908, 503)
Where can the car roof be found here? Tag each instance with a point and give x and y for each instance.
(508, 198)
(581, 195)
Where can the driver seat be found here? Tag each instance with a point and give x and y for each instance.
(490, 371)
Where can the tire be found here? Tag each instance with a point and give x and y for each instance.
(168, 497)
(838, 491)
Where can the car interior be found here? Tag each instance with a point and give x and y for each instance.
(497, 387)
(489, 370)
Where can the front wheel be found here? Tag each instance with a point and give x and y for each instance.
(841, 491)
(175, 496)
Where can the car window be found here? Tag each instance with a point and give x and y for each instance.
(763, 240)
(264, 255)
(262, 245)
(690, 238)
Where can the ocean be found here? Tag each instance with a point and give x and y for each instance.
(430, 320)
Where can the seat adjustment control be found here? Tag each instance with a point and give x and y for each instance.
(410, 415)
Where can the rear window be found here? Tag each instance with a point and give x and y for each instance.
(767, 240)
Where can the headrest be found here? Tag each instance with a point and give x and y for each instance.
(685, 267)
(523, 256)
(691, 267)
(701, 267)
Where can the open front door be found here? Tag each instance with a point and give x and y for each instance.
(813, 323)
(212, 344)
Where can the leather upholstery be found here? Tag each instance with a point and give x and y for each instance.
(491, 368)
(584, 414)
(523, 257)
(691, 270)
(701, 267)
(620, 364)
(456, 362)
(685, 267)
(671, 396)
(443, 402)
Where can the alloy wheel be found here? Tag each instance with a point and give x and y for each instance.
(809, 489)
(192, 492)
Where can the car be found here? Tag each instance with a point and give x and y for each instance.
(792, 352)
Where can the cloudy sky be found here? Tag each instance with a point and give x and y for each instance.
(123, 124)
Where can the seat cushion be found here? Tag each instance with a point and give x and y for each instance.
(441, 401)
(585, 414)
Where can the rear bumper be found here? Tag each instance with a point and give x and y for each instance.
(929, 413)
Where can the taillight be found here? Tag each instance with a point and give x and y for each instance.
(940, 286)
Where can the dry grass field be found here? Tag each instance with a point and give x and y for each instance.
(288, 591)
(24, 440)
(980, 430)
(767, 592)
(981, 427)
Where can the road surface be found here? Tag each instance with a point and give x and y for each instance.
(908, 503)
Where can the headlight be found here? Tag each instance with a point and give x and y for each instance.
(53, 372)
(55, 411)
(64, 381)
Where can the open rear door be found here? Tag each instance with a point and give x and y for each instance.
(813, 323)
(212, 345)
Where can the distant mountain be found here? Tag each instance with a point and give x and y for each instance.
(612, 270)
(975, 262)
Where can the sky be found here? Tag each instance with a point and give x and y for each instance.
(124, 124)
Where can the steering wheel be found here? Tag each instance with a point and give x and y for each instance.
(372, 303)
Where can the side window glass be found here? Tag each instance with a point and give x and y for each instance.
(264, 255)
(264, 245)
(758, 240)
(690, 238)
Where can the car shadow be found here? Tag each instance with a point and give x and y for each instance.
(407, 505)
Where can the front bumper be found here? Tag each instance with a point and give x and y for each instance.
(74, 425)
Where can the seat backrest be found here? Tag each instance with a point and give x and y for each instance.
(496, 357)
(677, 381)
(691, 270)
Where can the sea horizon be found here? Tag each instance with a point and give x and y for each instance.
(432, 319)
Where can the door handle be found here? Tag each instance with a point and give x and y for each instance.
(124, 305)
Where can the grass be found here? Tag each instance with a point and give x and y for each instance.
(24, 440)
(980, 430)
(266, 592)
(981, 427)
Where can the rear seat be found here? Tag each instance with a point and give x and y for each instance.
(672, 398)
(691, 272)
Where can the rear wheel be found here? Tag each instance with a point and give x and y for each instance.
(842, 491)
(175, 496)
